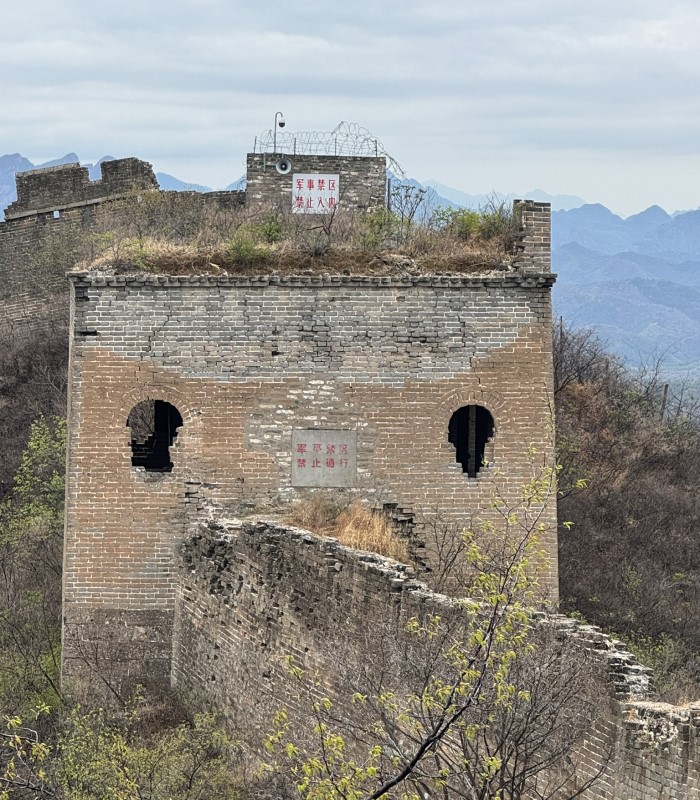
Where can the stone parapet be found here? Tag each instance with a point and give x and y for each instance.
(69, 186)
(534, 245)
(245, 602)
(496, 279)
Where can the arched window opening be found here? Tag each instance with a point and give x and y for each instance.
(470, 429)
(154, 425)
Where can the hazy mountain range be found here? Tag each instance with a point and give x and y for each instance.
(558, 201)
(635, 280)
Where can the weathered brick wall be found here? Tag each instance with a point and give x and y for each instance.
(659, 752)
(250, 595)
(247, 360)
(23, 314)
(40, 191)
(57, 210)
(26, 265)
(246, 600)
(535, 246)
(362, 180)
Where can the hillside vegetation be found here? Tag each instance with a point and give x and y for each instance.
(631, 560)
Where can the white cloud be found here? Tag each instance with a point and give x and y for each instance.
(534, 93)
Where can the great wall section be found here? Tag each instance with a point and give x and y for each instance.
(55, 208)
(158, 584)
(233, 577)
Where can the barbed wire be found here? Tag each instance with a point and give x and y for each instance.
(346, 139)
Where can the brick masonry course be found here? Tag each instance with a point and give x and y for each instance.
(362, 180)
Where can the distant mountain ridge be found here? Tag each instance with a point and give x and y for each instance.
(636, 281)
(652, 232)
(459, 198)
(9, 166)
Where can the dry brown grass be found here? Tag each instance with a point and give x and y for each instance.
(239, 242)
(364, 529)
(156, 256)
(317, 513)
(356, 526)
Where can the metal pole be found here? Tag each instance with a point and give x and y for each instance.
(274, 132)
(472, 466)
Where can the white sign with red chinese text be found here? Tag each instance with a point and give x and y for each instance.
(324, 458)
(314, 193)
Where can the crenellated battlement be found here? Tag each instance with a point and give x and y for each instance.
(69, 186)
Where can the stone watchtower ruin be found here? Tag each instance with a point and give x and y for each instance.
(195, 395)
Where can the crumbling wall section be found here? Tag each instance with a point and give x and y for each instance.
(246, 600)
(253, 594)
(534, 245)
(40, 191)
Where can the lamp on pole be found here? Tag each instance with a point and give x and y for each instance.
(281, 124)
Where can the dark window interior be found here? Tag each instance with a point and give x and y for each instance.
(154, 425)
(470, 429)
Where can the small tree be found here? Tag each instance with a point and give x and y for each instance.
(473, 701)
(405, 203)
(109, 756)
(31, 539)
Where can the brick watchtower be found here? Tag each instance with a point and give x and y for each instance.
(242, 392)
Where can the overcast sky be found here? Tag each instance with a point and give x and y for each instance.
(597, 98)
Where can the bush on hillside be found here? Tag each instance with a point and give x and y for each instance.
(631, 560)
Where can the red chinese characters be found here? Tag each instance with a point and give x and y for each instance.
(315, 193)
(323, 457)
(329, 460)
